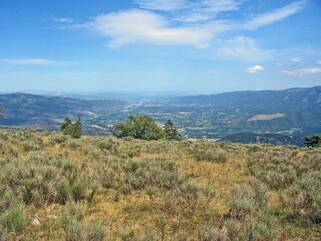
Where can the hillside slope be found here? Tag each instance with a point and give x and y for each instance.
(272, 100)
(49, 111)
(56, 188)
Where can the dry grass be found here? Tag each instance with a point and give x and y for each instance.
(185, 209)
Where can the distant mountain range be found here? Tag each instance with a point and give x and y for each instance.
(295, 99)
(290, 113)
(47, 112)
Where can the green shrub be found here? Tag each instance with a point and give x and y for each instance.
(73, 231)
(57, 139)
(76, 230)
(78, 189)
(249, 217)
(95, 231)
(110, 144)
(139, 127)
(159, 173)
(63, 191)
(208, 152)
(12, 220)
(210, 233)
(305, 196)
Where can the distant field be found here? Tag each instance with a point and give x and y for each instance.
(267, 117)
(100, 188)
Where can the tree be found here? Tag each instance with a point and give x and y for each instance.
(2, 110)
(77, 128)
(66, 126)
(72, 129)
(312, 141)
(139, 127)
(171, 132)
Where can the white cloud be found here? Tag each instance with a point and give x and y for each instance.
(275, 16)
(205, 10)
(63, 20)
(137, 26)
(244, 48)
(28, 61)
(162, 5)
(190, 11)
(255, 69)
(296, 59)
(183, 22)
(302, 72)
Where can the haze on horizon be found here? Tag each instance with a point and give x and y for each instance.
(176, 46)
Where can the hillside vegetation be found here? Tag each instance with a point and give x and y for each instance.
(53, 187)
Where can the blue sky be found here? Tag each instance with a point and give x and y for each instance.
(202, 46)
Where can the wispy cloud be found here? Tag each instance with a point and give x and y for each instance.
(319, 62)
(28, 61)
(296, 59)
(162, 5)
(191, 11)
(137, 26)
(275, 16)
(183, 22)
(205, 10)
(302, 71)
(255, 69)
(243, 48)
(63, 20)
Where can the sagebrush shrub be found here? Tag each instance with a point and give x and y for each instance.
(208, 152)
(12, 220)
(75, 229)
(305, 196)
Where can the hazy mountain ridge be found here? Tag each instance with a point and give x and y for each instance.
(270, 100)
(28, 109)
(210, 116)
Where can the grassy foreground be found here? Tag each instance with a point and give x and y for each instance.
(53, 187)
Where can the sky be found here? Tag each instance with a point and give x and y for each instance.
(187, 46)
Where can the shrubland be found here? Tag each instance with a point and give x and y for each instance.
(54, 187)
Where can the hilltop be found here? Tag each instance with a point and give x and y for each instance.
(95, 188)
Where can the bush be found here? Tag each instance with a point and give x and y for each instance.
(13, 221)
(249, 217)
(208, 152)
(57, 139)
(94, 231)
(158, 173)
(76, 230)
(111, 145)
(210, 233)
(305, 196)
(139, 127)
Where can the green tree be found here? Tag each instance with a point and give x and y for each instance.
(139, 127)
(171, 132)
(2, 110)
(77, 128)
(66, 127)
(312, 141)
(72, 129)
